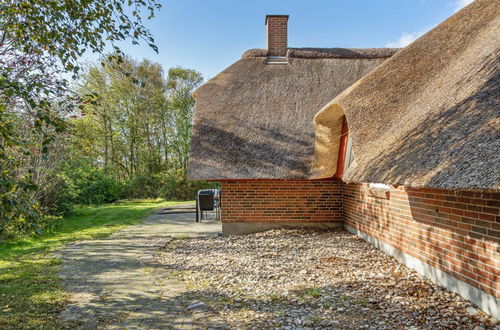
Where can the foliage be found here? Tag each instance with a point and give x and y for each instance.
(31, 292)
(181, 84)
(131, 141)
(87, 184)
(140, 122)
(66, 29)
(178, 187)
(138, 128)
(144, 186)
(33, 225)
(129, 127)
(15, 203)
(39, 41)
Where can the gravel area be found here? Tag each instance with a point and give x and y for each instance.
(310, 279)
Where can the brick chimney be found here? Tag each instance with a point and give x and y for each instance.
(277, 34)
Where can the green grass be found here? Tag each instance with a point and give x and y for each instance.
(313, 292)
(31, 295)
(273, 297)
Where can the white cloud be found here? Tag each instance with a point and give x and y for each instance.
(404, 40)
(407, 38)
(459, 4)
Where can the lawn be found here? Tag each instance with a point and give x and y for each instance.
(31, 295)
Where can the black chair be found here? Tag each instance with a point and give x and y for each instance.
(208, 200)
(205, 202)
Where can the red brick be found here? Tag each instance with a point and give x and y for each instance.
(460, 239)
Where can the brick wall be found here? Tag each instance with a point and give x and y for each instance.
(458, 233)
(277, 35)
(288, 201)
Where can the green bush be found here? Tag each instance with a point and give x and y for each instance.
(35, 224)
(86, 184)
(144, 186)
(58, 197)
(179, 188)
(167, 185)
(82, 182)
(99, 189)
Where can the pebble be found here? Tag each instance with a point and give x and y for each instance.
(197, 307)
(298, 278)
(472, 311)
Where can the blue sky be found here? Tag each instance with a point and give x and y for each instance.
(209, 35)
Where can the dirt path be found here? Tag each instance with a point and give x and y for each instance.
(117, 283)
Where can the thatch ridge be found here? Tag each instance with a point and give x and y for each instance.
(325, 53)
(430, 115)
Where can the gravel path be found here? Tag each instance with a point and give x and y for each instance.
(309, 279)
(117, 282)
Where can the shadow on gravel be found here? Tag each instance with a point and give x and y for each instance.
(244, 283)
(324, 307)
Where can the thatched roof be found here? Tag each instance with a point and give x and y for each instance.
(430, 115)
(318, 53)
(254, 119)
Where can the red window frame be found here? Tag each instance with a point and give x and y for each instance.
(342, 149)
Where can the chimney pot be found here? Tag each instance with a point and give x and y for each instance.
(277, 35)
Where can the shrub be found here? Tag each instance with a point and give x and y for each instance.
(179, 188)
(170, 185)
(58, 197)
(86, 184)
(144, 186)
(96, 188)
(35, 224)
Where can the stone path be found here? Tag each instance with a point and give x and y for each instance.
(117, 283)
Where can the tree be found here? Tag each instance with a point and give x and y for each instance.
(180, 86)
(139, 127)
(120, 129)
(40, 41)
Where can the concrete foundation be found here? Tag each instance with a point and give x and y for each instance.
(237, 228)
(486, 302)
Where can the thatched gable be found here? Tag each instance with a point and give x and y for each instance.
(254, 119)
(430, 115)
